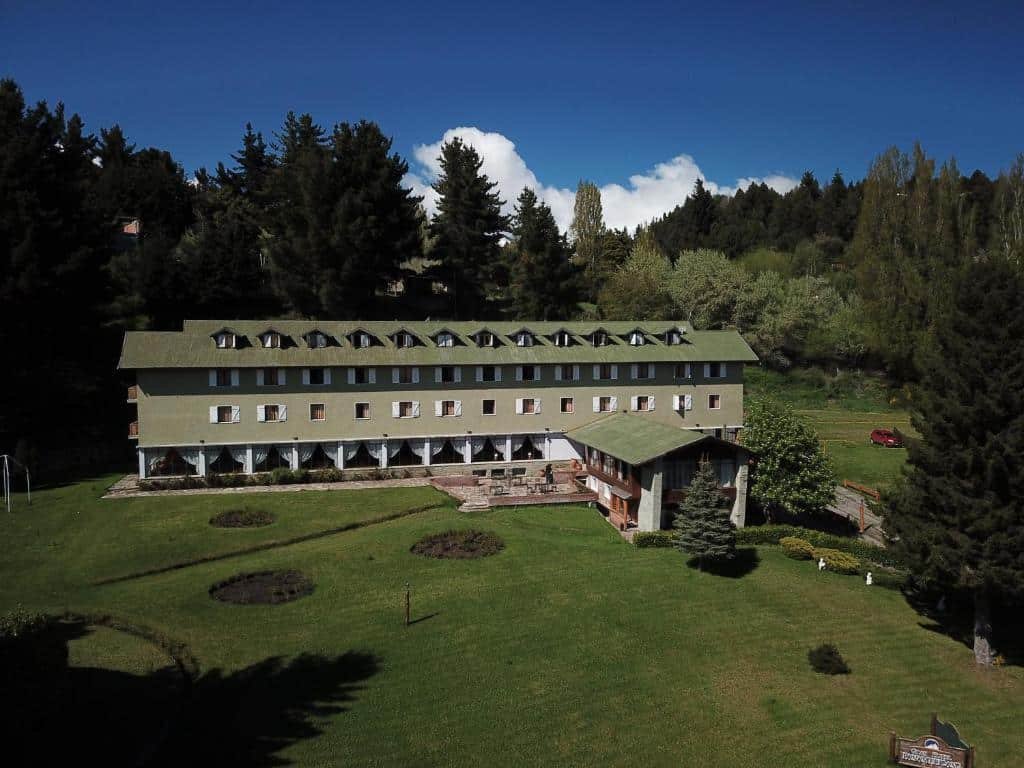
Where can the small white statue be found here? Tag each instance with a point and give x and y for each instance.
(868, 580)
(821, 564)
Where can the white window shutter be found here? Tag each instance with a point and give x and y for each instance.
(519, 373)
(558, 373)
(707, 370)
(261, 413)
(650, 403)
(213, 414)
(497, 373)
(396, 410)
(635, 371)
(597, 372)
(351, 375)
(675, 402)
(394, 375)
(633, 403)
(458, 374)
(650, 370)
(236, 414)
(689, 371)
(282, 413)
(213, 377)
(234, 377)
(437, 408)
(536, 405)
(327, 375)
(688, 402)
(259, 377)
(575, 373)
(458, 407)
(479, 373)
(437, 375)
(615, 403)
(536, 373)
(415, 409)
(597, 405)
(415, 375)
(305, 376)
(519, 406)
(722, 370)
(282, 375)
(615, 371)
(373, 375)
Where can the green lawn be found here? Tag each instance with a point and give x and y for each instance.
(567, 648)
(843, 411)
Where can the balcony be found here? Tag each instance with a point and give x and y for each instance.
(133, 393)
(133, 431)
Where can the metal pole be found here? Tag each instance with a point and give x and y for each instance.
(7, 484)
(407, 603)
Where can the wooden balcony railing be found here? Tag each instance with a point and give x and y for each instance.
(133, 393)
(133, 430)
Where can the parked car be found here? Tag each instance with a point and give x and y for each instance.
(886, 438)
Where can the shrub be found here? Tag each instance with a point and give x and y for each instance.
(32, 652)
(227, 480)
(242, 518)
(827, 660)
(773, 534)
(798, 549)
(649, 539)
(459, 545)
(330, 475)
(894, 580)
(840, 562)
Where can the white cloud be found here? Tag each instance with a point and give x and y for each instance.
(647, 196)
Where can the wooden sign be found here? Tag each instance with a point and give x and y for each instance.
(928, 752)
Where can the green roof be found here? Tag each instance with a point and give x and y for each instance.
(194, 347)
(634, 439)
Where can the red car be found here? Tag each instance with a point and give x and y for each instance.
(886, 438)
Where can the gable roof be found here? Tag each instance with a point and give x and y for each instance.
(634, 439)
(192, 347)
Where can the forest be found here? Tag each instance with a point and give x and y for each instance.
(98, 236)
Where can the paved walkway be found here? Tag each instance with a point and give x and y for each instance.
(847, 504)
(128, 487)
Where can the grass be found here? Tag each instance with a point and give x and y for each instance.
(569, 647)
(843, 410)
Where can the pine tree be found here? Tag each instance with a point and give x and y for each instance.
(467, 228)
(959, 513)
(703, 528)
(543, 281)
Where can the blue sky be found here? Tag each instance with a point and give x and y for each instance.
(745, 90)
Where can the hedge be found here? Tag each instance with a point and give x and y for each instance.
(798, 549)
(645, 539)
(773, 534)
(836, 560)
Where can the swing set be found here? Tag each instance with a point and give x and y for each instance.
(7, 462)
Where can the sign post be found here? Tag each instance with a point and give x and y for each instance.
(943, 748)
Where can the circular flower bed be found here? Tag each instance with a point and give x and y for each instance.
(242, 518)
(459, 545)
(262, 587)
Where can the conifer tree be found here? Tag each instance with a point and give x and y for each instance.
(587, 226)
(543, 280)
(467, 228)
(959, 513)
(703, 528)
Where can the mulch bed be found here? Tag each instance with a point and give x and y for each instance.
(242, 518)
(262, 587)
(458, 545)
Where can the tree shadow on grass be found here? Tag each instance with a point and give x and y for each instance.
(746, 561)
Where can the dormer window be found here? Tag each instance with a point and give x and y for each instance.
(636, 339)
(361, 339)
(317, 340)
(599, 338)
(524, 339)
(485, 339)
(404, 340)
(562, 339)
(225, 340)
(445, 339)
(673, 337)
(271, 340)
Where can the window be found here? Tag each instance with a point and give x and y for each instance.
(488, 408)
(223, 377)
(360, 340)
(488, 373)
(524, 339)
(405, 340)
(362, 410)
(567, 373)
(599, 338)
(529, 373)
(317, 340)
(317, 412)
(317, 376)
(683, 371)
(714, 370)
(271, 413)
(636, 339)
(606, 371)
(529, 405)
(643, 370)
(566, 405)
(446, 374)
(485, 339)
(224, 414)
(361, 376)
(445, 340)
(605, 404)
(672, 338)
(714, 402)
(405, 409)
(406, 374)
(642, 403)
(562, 339)
(448, 408)
(272, 340)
